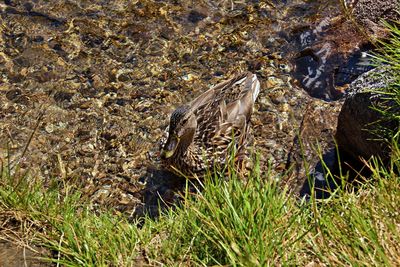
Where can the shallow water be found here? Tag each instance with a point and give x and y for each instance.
(12, 255)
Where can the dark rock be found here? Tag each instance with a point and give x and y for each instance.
(359, 123)
(122, 101)
(218, 73)
(28, 6)
(38, 39)
(10, 3)
(195, 16)
(57, 47)
(13, 94)
(254, 65)
(123, 77)
(167, 33)
(63, 96)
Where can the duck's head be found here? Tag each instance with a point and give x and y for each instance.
(182, 127)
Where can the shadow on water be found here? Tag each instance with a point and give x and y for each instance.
(162, 190)
(324, 178)
(12, 255)
(319, 183)
(55, 22)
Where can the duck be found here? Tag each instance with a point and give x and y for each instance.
(206, 132)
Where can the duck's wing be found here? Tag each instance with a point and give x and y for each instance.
(225, 91)
(234, 116)
(224, 109)
(248, 89)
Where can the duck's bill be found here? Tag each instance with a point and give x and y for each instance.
(169, 147)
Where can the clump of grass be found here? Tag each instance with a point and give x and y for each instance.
(253, 223)
(65, 223)
(83, 238)
(236, 223)
(228, 222)
(362, 228)
(389, 54)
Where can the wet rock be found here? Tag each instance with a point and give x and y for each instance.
(331, 49)
(331, 53)
(359, 124)
(314, 139)
(28, 6)
(370, 14)
(10, 2)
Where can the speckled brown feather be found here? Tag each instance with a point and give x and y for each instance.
(222, 114)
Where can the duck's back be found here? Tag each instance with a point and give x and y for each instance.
(224, 111)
